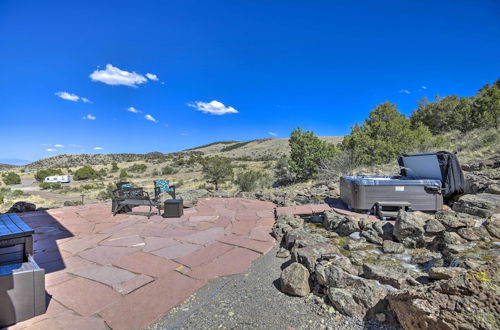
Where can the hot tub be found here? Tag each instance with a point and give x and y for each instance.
(361, 193)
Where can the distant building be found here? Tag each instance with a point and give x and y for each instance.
(58, 178)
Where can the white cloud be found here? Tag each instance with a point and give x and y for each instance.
(404, 91)
(50, 150)
(214, 107)
(58, 146)
(98, 148)
(150, 118)
(114, 76)
(89, 117)
(272, 134)
(424, 87)
(68, 96)
(152, 76)
(133, 110)
(72, 97)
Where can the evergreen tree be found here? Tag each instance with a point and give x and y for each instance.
(383, 136)
(217, 170)
(306, 153)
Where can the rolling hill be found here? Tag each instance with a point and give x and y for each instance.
(260, 149)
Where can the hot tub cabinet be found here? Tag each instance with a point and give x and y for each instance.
(424, 181)
(362, 193)
(22, 281)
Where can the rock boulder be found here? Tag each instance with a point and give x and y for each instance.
(409, 229)
(20, 207)
(294, 280)
(482, 205)
(468, 301)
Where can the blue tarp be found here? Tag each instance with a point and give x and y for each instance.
(374, 180)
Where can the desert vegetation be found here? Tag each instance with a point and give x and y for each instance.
(466, 125)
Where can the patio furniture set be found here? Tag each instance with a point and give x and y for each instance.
(126, 197)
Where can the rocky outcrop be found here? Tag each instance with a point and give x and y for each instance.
(285, 223)
(294, 280)
(482, 205)
(388, 275)
(445, 273)
(190, 197)
(409, 229)
(20, 207)
(467, 301)
(492, 225)
(309, 255)
(350, 294)
(393, 247)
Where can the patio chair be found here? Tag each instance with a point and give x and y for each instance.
(163, 186)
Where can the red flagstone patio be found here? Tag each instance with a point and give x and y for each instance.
(127, 271)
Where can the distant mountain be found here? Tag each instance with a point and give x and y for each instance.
(14, 161)
(6, 166)
(260, 149)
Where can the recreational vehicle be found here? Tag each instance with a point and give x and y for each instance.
(57, 178)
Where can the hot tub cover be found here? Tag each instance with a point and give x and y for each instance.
(378, 180)
(440, 165)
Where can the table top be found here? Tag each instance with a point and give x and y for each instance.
(11, 226)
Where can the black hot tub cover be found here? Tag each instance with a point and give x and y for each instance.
(441, 165)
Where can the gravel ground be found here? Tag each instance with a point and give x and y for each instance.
(253, 301)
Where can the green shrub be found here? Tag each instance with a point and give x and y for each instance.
(306, 152)
(11, 178)
(2, 198)
(282, 172)
(103, 195)
(384, 135)
(88, 186)
(168, 170)
(85, 173)
(251, 180)
(50, 185)
(114, 167)
(102, 173)
(138, 168)
(343, 163)
(17, 193)
(123, 174)
(40, 175)
(217, 170)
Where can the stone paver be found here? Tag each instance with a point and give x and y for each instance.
(133, 284)
(105, 274)
(84, 296)
(145, 263)
(205, 255)
(105, 255)
(154, 299)
(177, 251)
(125, 272)
(236, 261)
(205, 237)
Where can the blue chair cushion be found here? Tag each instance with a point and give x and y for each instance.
(163, 185)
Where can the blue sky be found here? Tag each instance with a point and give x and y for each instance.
(269, 65)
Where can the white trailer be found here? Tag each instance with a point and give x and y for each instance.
(58, 178)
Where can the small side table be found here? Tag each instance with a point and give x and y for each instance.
(173, 208)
